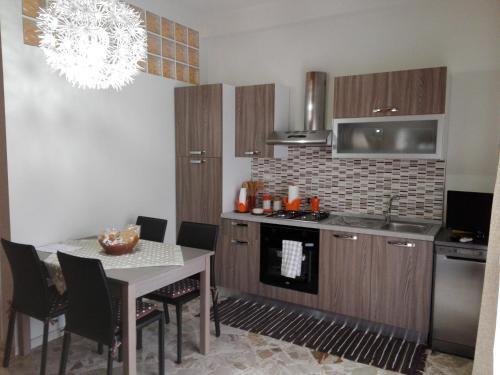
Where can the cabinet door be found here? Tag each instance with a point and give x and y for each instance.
(198, 120)
(360, 95)
(199, 192)
(417, 92)
(239, 255)
(401, 283)
(344, 273)
(254, 120)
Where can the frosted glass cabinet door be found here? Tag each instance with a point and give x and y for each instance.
(388, 137)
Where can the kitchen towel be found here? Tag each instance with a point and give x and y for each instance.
(291, 258)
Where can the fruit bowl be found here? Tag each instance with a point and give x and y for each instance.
(115, 242)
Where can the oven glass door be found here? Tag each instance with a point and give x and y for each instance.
(272, 237)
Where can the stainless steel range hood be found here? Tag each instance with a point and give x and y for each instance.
(314, 132)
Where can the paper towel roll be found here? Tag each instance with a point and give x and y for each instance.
(243, 196)
(293, 193)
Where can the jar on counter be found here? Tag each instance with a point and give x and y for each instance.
(277, 204)
(267, 203)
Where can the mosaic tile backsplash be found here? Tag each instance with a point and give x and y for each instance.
(357, 185)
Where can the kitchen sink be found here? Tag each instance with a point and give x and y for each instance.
(406, 227)
(375, 223)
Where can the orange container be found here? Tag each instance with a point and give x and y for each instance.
(314, 203)
(292, 206)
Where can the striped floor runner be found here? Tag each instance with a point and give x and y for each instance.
(323, 335)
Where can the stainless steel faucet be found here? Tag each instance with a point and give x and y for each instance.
(388, 209)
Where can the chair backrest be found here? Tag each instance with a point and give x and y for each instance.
(31, 291)
(200, 236)
(152, 229)
(91, 312)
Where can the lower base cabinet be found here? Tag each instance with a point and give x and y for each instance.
(401, 282)
(375, 278)
(344, 282)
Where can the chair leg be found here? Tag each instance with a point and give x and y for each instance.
(43, 365)
(165, 310)
(10, 338)
(100, 348)
(161, 345)
(178, 312)
(139, 339)
(110, 361)
(215, 302)
(65, 352)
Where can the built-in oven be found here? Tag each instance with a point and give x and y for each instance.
(271, 243)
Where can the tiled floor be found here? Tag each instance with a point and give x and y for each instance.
(234, 352)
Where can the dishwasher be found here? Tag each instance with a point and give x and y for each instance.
(458, 286)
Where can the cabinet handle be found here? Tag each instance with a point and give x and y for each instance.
(238, 242)
(234, 224)
(386, 109)
(401, 243)
(394, 109)
(202, 152)
(252, 152)
(377, 110)
(346, 237)
(197, 161)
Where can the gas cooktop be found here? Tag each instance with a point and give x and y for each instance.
(300, 215)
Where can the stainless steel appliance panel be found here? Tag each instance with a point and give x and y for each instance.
(458, 287)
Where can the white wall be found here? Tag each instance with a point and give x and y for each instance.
(460, 34)
(81, 161)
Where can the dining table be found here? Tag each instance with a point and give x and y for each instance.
(132, 283)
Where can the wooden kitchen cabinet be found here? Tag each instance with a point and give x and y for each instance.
(401, 282)
(198, 121)
(345, 268)
(260, 110)
(237, 258)
(399, 93)
(198, 185)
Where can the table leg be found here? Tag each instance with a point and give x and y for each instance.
(23, 334)
(205, 308)
(129, 330)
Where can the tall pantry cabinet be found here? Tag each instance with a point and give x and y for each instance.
(208, 175)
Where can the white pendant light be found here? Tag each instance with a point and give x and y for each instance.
(95, 44)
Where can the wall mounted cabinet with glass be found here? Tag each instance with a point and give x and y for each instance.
(397, 137)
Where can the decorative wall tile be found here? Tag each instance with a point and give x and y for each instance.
(194, 76)
(30, 32)
(182, 72)
(193, 38)
(154, 65)
(181, 53)
(357, 185)
(168, 49)
(180, 33)
(193, 57)
(153, 23)
(167, 28)
(169, 69)
(32, 7)
(154, 44)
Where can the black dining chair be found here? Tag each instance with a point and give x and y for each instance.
(152, 229)
(32, 295)
(201, 236)
(95, 314)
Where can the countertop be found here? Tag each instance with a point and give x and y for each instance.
(328, 225)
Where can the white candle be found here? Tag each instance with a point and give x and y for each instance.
(293, 193)
(243, 196)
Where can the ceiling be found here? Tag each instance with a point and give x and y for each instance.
(222, 17)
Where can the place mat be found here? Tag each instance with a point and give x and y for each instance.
(145, 254)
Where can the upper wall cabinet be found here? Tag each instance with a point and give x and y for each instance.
(198, 120)
(260, 110)
(406, 92)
